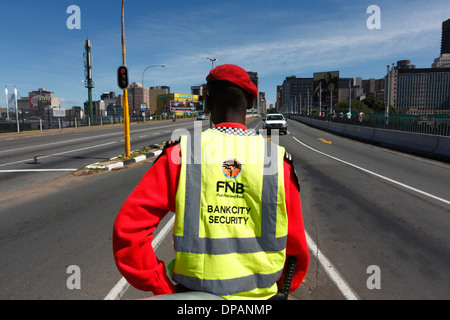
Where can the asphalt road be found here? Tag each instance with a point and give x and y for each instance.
(41, 157)
(372, 216)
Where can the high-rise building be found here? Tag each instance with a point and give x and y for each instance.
(443, 61)
(154, 93)
(419, 90)
(422, 91)
(295, 92)
(279, 102)
(111, 99)
(445, 40)
(137, 98)
(254, 78)
(392, 80)
(42, 99)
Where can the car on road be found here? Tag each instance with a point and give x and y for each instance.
(275, 121)
(202, 116)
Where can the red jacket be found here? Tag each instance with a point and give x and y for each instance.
(154, 197)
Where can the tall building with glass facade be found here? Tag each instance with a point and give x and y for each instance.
(445, 40)
(421, 91)
(294, 93)
(443, 61)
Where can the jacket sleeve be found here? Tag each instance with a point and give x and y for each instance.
(136, 222)
(296, 240)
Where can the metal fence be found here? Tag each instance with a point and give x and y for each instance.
(55, 123)
(438, 125)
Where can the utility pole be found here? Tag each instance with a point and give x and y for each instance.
(17, 110)
(331, 102)
(388, 83)
(349, 115)
(320, 99)
(89, 84)
(7, 103)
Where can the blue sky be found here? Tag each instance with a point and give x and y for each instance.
(274, 38)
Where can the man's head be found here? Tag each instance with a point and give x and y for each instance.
(230, 93)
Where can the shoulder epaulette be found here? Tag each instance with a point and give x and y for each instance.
(171, 143)
(290, 160)
(167, 144)
(288, 157)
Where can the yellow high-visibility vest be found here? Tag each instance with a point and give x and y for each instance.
(231, 221)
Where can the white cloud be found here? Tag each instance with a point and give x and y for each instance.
(294, 46)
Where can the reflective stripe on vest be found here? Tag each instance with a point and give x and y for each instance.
(192, 246)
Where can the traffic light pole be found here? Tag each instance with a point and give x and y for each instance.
(126, 113)
(89, 84)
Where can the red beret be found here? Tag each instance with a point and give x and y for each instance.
(234, 74)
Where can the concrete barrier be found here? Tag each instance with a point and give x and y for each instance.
(430, 146)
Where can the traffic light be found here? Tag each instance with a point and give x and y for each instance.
(122, 77)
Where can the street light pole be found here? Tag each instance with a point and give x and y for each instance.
(212, 61)
(158, 65)
(211, 124)
(143, 87)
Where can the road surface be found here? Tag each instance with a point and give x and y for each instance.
(377, 221)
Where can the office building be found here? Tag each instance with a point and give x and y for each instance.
(353, 85)
(294, 93)
(153, 97)
(113, 104)
(445, 39)
(40, 100)
(423, 91)
(392, 79)
(262, 108)
(375, 88)
(138, 99)
(279, 102)
(254, 78)
(443, 61)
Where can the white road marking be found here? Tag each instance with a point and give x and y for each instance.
(37, 170)
(119, 289)
(332, 272)
(376, 174)
(59, 142)
(57, 154)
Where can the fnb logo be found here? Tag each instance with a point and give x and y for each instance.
(230, 187)
(231, 168)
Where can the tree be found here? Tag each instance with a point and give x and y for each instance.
(373, 104)
(357, 105)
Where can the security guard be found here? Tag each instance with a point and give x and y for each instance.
(236, 201)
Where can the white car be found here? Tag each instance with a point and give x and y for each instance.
(275, 121)
(202, 116)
